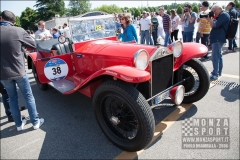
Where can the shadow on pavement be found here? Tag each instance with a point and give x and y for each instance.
(230, 94)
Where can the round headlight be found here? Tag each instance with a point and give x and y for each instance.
(180, 94)
(141, 59)
(177, 48)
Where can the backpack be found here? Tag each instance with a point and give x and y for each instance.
(232, 28)
(154, 23)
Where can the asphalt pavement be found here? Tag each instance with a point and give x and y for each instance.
(70, 130)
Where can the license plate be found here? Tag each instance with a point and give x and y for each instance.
(161, 97)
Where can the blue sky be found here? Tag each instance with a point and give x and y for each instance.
(18, 6)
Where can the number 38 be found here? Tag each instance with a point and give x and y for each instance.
(56, 70)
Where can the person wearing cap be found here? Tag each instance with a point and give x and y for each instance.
(145, 28)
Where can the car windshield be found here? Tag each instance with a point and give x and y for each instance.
(84, 29)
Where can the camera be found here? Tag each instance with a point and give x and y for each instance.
(119, 30)
(210, 14)
(186, 10)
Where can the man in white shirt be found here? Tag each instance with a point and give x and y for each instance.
(150, 38)
(60, 30)
(42, 34)
(66, 31)
(160, 26)
(145, 28)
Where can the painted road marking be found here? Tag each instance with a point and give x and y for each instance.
(230, 76)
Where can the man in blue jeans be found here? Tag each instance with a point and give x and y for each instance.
(167, 26)
(13, 69)
(204, 28)
(145, 28)
(232, 11)
(188, 20)
(217, 39)
(5, 100)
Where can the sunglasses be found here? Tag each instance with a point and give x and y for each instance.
(122, 19)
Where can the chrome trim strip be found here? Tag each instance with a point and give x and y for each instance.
(159, 53)
(167, 89)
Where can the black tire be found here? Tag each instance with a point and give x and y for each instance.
(40, 85)
(198, 86)
(134, 121)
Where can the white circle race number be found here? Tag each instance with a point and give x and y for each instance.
(56, 69)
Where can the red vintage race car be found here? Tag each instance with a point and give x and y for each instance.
(124, 80)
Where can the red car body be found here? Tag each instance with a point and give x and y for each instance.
(108, 71)
(102, 59)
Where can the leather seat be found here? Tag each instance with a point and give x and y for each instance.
(61, 48)
(46, 46)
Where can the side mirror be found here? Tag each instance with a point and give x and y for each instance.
(61, 39)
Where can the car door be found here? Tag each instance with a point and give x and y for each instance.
(54, 68)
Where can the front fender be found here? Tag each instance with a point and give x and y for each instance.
(190, 51)
(125, 73)
(128, 74)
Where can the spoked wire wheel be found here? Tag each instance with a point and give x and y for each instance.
(124, 115)
(119, 117)
(197, 84)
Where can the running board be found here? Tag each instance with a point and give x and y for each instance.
(63, 85)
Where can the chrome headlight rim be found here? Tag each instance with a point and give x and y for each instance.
(174, 46)
(136, 56)
(179, 97)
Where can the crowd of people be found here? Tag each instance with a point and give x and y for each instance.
(45, 34)
(211, 31)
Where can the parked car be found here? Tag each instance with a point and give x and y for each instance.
(124, 80)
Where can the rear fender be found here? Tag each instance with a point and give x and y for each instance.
(33, 57)
(190, 51)
(124, 73)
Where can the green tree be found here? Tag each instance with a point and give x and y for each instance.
(77, 7)
(28, 19)
(152, 9)
(179, 9)
(137, 13)
(47, 9)
(131, 10)
(109, 8)
(18, 21)
(146, 9)
(195, 9)
(168, 11)
(237, 3)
